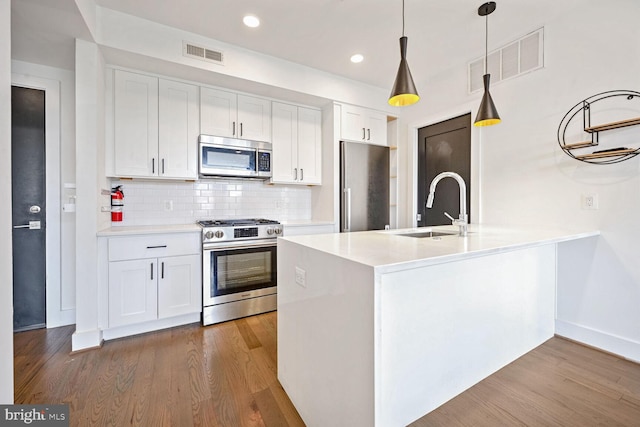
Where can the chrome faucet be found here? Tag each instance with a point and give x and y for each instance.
(461, 222)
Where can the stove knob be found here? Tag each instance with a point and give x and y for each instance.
(278, 230)
(269, 230)
(219, 234)
(208, 235)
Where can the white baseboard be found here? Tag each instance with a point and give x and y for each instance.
(86, 340)
(622, 347)
(153, 325)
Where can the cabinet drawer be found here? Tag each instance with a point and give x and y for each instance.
(153, 246)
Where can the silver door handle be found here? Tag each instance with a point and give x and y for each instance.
(153, 165)
(368, 134)
(241, 129)
(295, 174)
(162, 270)
(162, 166)
(347, 213)
(233, 131)
(301, 174)
(363, 134)
(33, 225)
(151, 271)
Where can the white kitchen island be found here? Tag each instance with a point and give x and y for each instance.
(378, 329)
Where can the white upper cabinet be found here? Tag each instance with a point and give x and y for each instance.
(179, 129)
(155, 127)
(361, 124)
(297, 145)
(135, 124)
(232, 115)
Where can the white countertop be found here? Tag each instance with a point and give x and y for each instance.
(388, 251)
(149, 229)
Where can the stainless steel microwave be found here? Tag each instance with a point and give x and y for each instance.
(230, 157)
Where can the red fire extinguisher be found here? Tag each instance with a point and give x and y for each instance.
(117, 203)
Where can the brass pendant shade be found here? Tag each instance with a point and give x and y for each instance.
(404, 90)
(487, 113)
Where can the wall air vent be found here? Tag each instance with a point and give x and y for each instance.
(516, 58)
(198, 52)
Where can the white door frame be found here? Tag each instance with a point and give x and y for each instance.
(55, 315)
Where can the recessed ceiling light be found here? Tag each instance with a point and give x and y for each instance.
(357, 58)
(251, 21)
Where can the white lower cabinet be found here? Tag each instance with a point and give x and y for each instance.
(153, 277)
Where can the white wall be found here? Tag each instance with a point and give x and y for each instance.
(6, 269)
(526, 178)
(89, 172)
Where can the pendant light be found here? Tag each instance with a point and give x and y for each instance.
(487, 113)
(404, 90)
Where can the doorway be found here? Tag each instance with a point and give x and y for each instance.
(444, 146)
(28, 199)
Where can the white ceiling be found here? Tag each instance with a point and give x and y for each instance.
(322, 34)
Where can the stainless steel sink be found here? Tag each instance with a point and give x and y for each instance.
(428, 234)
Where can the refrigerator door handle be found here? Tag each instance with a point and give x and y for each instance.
(347, 213)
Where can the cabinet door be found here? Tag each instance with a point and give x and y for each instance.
(132, 292)
(376, 128)
(352, 125)
(285, 146)
(218, 112)
(179, 286)
(178, 130)
(135, 124)
(254, 117)
(309, 146)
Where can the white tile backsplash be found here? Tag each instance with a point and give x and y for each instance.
(157, 203)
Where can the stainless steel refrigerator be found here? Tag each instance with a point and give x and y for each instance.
(364, 184)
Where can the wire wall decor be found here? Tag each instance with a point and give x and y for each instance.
(584, 150)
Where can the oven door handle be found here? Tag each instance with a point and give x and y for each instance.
(239, 245)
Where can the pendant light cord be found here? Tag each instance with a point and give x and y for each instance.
(402, 18)
(486, 43)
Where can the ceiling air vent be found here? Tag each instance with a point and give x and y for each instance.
(192, 51)
(516, 58)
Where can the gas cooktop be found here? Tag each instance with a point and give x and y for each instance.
(236, 222)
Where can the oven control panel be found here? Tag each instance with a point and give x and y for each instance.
(228, 234)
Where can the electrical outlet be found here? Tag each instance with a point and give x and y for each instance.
(590, 201)
(168, 205)
(301, 277)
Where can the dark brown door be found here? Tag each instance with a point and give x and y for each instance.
(443, 147)
(28, 207)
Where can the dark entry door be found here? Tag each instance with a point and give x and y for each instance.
(28, 207)
(443, 147)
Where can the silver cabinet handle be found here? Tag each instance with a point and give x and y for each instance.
(368, 134)
(153, 165)
(363, 133)
(241, 129)
(156, 247)
(301, 174)
(233, 131)
(162, 166)
(295, 174)
(162, 270)
(21, 226)
(151, 271)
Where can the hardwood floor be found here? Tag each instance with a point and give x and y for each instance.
(220, 375)
(225, 375)
(560, 383)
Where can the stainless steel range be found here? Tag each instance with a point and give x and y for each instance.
(238, 268)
